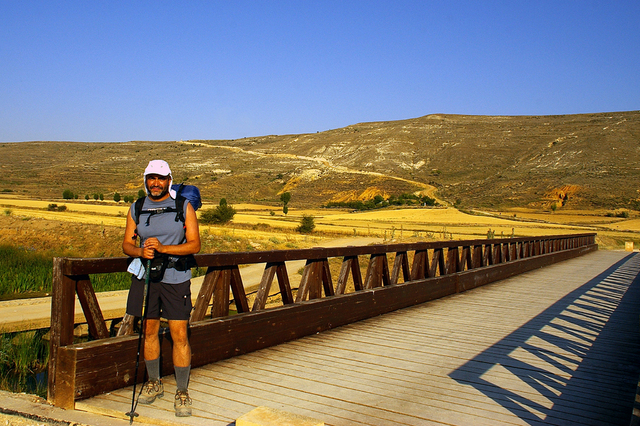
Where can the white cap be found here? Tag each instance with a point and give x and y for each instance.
(158, 167)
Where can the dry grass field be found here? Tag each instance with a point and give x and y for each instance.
(90, 229)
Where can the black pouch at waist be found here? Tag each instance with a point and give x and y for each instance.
(158, 265)
(184, 263)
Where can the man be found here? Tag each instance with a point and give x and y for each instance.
(161, 233)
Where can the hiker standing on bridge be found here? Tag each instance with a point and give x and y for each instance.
(170, 242)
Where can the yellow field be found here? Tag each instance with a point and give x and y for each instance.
(257, 223)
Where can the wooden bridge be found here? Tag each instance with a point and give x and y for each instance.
(551, 346)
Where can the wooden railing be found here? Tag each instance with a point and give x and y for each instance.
(421, 272)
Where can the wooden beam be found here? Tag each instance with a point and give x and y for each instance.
(400, 264)
(377, 272)
(350, 267)
(327, 283)
(311, 282)
(91, 307)
(453, 260)
(435, 261)
(478, 260)
(420, 263)
(237, 287)
(220, 307)
(205, 294)
(265, 286)
(283, 282)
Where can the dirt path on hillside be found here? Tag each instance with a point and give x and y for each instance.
(428, 190)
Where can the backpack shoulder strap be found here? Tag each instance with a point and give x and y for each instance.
(137, 209)
(180, 201)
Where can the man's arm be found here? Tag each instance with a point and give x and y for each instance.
(129, 246)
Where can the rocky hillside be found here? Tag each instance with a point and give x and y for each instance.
(587, 160)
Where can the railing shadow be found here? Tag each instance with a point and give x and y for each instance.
(586, 352)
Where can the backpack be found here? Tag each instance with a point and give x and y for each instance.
(188, 192)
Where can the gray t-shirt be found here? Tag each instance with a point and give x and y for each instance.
(166, 229)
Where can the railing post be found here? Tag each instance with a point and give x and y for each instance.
(440, 261)
(377, 272)
(220, 307)
(487, 258)
(420, 265)
(497, 253)
(478, 260)
(466, 258)
(453, 260)
(61, 333)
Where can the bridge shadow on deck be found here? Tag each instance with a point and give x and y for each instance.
(580, 357)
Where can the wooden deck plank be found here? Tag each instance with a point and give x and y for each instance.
(553, 346)
(437, 404)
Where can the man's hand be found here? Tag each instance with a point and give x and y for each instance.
(150, 247)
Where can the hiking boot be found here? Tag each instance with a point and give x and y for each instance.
(150, 391)
(182, 404)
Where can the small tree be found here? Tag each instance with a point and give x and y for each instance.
(285, 197)
(222, 214)
(307, 224)
(67, 194)
(101, 197)
(86, 197)
(116, 197)
(96, 196)
(141, 193)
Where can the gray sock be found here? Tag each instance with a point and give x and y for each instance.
(153, 368)
(182, 377)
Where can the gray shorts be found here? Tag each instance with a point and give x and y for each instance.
(169, 301)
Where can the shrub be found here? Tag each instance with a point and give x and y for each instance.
(307, 224)
(222, 214)
(116, 197)
(67, 194)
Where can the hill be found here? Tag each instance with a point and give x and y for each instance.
(579, 161)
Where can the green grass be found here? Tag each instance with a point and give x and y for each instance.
(23, 362)
(27, 273)
(23, 271)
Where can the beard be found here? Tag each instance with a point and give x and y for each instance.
(163, 193)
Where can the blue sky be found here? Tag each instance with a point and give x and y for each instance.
(161, 70)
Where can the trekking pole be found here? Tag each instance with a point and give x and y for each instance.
(134, 403)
